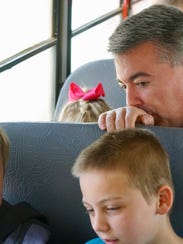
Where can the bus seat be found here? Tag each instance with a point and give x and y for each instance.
(88, 76)
(38, 171)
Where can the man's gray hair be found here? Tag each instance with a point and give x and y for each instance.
(160, 25)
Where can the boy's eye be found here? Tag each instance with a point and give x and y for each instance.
(89, 211)
(112, 209)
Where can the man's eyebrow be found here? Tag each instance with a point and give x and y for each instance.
(135, 76)
(138, 74)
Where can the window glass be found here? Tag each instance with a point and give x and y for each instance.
(23, 24)
(140, 5)
(29, 89)
(92, 44)
(84, 11)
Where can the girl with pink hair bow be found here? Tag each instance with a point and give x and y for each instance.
(84, 106)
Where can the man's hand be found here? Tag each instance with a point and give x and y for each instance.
(124, 117)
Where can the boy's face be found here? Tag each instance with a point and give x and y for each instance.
(1, 179)
(118, 212)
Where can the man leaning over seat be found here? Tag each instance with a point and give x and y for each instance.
(148, 55)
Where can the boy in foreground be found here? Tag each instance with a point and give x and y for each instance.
(127, 188)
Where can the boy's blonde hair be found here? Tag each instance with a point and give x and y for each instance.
(136, 153)
(83, 111)
(4, 147)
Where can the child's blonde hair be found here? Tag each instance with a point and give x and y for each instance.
(84, 105)
(4, 147)
(136, 153)
(83, 111)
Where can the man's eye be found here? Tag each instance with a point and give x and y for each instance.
(122, 85)
(143, 83)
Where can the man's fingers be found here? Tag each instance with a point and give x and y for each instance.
(125, 117)
(102, 121)
(120, 118)
(111, 120)
(136, 115)
(147, 119)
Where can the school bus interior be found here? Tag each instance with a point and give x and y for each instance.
(67, 43)
(38, 171)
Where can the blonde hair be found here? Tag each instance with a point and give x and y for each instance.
(83, 111)
(4, 147)
(136, 153)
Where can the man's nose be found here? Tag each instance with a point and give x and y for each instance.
(133, 97)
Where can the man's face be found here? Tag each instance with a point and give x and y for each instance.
(118, 212)
(1, 179)
(151, 85)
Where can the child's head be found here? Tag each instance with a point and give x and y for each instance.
(4, 153)
(84, 106)
(126, 185)
(135, 153)
(83, 111)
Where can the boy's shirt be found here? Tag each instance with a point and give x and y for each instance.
(95, 241)
(22, 224)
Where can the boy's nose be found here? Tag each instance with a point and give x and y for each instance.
(100, 224)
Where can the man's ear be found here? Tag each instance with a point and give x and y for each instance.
(165, 199)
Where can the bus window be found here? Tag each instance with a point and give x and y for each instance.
(28, 88)
(42, 41)
(91, 44)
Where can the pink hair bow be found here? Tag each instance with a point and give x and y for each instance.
(75, 92)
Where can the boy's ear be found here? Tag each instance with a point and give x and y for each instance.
(165, 199)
